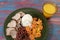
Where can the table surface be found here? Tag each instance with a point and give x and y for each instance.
(8, 6)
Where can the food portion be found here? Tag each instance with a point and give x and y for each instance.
(13, 33)
(24, 27)
(26, 20)
(35, 31)
(12, 23)
(8, 31)
(22, 34)
(18, 15)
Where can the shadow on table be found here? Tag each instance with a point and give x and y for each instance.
(50, 31)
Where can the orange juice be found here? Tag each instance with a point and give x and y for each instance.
(49, 9)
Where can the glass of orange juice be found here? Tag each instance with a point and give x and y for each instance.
(49, 9)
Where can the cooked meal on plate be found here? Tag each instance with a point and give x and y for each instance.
(24, 27)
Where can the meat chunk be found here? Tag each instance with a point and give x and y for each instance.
(13, 33)
(12, 23)
(18, 15)
(8, 31)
